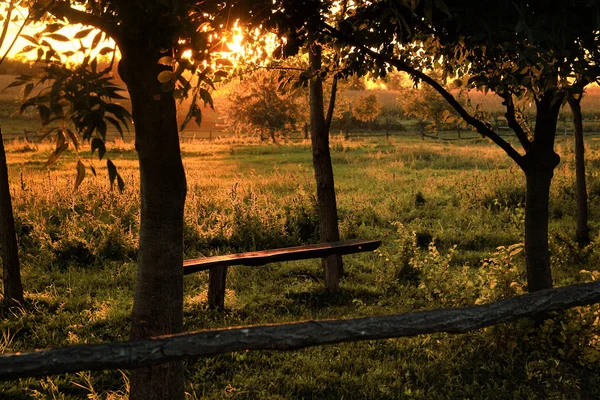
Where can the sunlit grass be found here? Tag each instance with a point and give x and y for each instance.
(78, 251)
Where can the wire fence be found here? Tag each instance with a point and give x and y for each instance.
(407, 130)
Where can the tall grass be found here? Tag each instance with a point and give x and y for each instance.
(451, 220)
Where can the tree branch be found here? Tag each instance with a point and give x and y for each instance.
(5, 29)
(7, 21)
(481, 127)
(513, 124)
(292, 335)
(331, 105)
(63, 9)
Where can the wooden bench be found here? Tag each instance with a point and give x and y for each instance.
(217, 266)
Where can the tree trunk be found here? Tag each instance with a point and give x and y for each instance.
(536, 230)
(158, 303)
(327, 207)
(583, 234)
(13, 290)
(539, 164)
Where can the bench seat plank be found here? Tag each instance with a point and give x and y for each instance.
(257, 258)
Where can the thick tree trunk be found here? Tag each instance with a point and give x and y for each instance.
(327, 206)
(539, 164)
(536, 230)
(158, 303)
(13, 290)
(583, 234)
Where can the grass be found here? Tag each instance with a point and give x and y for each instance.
(442, 210)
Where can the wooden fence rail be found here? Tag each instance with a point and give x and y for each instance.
(291, 336)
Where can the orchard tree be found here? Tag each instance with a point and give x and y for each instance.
(152, 37)
(517, 50)
(299, 22)
(427, 105)
(366, 109)
(11, 269)
(257, 105)
(574, 100)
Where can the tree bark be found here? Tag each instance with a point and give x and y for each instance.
(537, 256)
(292, 336)
(326, 200)
(158, 303)
(582, 231)
(13, 289)
(538, 165)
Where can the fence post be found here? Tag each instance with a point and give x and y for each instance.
(217, 279)
(210, 138)
(458, 129)
(387, 129)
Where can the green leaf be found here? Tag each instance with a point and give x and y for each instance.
(120, 183)
(82, 33)
(30, 39)
(27, 49)
(112, 172)
(166, 60)
(56, 154)
(53, 28)
(80, 174)
(105, 50)
(207, 98)
(15, 83)
(73, 136)
(58, 37)
(98, 143)
(44, 113)
(116, 124)
(97, 39)
(165, 76)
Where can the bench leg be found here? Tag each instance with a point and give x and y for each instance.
(332, 273)
(217, 278)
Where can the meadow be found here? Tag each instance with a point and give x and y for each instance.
(450, 216)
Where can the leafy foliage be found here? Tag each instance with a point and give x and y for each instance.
(258, 106)
(425, 104)
(73, 105)
(366, 108)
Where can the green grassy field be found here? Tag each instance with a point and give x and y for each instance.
(450, 217)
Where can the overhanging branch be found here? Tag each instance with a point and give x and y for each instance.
(481, 127)
(63, 9)
(513, 124)
(291, 336)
